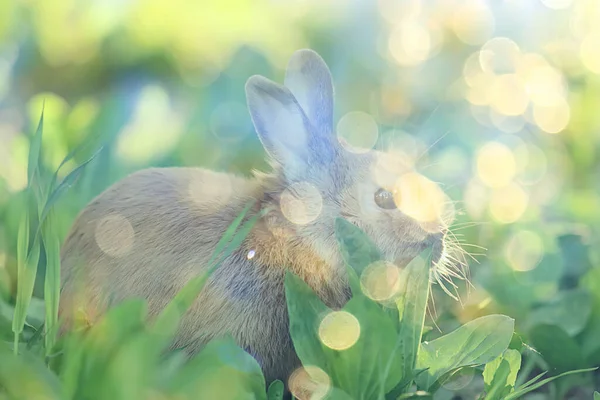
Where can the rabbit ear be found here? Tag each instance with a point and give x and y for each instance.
(309, 79)
(282, 126)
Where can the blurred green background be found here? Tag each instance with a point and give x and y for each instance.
(497, 100)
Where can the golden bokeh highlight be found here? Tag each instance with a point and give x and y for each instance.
(388, 166)
(339, 330)
(380, 281)
(114, 235)
(357, 131)
(588, 51)
(472, 21)
(509, 95)
(544, 83)
(419, 198)
(309, 383)
(496, 165)
(517, 87)
(410, 43)
(499, 56)
(508, 203)
(524, 250)
(552, 119)
(301, 203)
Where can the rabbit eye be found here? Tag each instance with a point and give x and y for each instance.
(385, 199)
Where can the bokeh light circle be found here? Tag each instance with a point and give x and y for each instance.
(380, 281)
(339, 330)
(309, 383)
(496, 165)
(524, 250)
(114, 235)
(301, 203)
(357, 131)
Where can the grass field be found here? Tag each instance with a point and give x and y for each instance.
(497, 101)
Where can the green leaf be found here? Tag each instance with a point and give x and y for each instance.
(590, 345)
(103, 342)
(222, 370)
(356, 248)
(27, 271)
(35, 150)
(356, 370)
(500, 374)
(575, 255)
(596, 396)
(530, 386)
(569, 310)
(25, 377)
(52, 282)
(275, 391)
(65, 185)
(558, 349)
(477, 342)
(412, 306)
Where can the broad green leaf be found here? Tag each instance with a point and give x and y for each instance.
(477, 342)
(596, 396)
(131, 369)
(498, 388)
(557, 348)
(25, 377)
(569, 310)
(222, 370)
(500, 374)
(412, 306)
(275, 391)
(103, 342)
(370, 334)
(590, 345)
(358, 251)
(575, 255)
(531, 386)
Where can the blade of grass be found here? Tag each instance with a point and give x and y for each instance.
(65, 185)
(229, 232)
(26, 273)
(529, 387)
(22, 248)
(52, 280)
(35, 150)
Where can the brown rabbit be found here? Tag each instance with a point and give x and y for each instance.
(148, 234)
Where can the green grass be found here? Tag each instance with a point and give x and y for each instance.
(124, 356)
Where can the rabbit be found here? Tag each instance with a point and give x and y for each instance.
(148, 234)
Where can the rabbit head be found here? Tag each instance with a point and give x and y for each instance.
(318, 177)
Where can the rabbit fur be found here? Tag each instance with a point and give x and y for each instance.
(148, 234)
